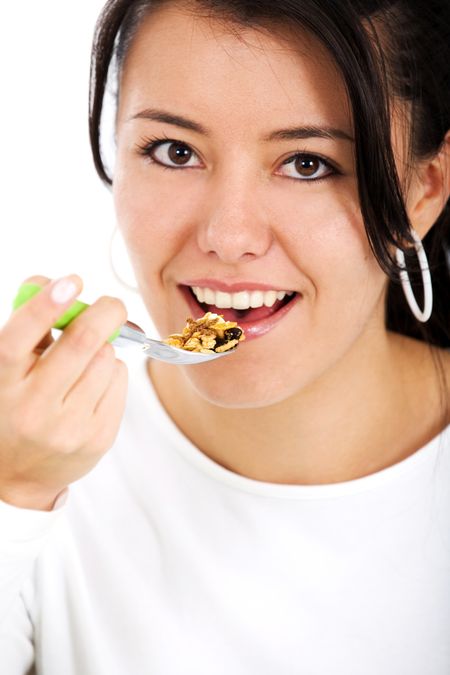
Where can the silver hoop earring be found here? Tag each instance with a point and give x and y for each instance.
(118, 258)
(421, 315)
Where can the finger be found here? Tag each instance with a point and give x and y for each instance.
(28, 325)
(38, 351)
(65, 361)
(91, 386)
(109, 412)
(48, 339)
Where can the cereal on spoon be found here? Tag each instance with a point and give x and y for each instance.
(207, 335)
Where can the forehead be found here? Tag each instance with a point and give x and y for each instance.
(179, 58)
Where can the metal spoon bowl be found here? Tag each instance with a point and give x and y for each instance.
(131, 335)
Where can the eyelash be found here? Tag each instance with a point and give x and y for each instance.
(147, 145)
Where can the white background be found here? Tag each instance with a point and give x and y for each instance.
(56, 216)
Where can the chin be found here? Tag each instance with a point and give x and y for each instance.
(240, 385)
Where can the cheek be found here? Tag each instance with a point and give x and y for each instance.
(137, 210)
(330, 246)
(139, 222)
(150, 229)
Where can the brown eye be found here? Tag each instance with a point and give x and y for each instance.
(307, 166)
(171, 154)
(179, 154)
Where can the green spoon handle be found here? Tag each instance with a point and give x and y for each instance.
(27, 291)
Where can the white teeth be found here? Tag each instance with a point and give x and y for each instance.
(223, 300)
(270, 298)
(209, 296)
(256, 299)
(199, 293)
(240, 300)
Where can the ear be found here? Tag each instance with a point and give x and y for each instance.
(430, 190)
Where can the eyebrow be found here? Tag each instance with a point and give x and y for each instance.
(292, 133)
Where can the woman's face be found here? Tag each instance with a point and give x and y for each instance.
(227, 209)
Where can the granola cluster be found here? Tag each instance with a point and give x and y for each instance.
(207, 335)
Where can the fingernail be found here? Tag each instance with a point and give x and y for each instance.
(63, 290)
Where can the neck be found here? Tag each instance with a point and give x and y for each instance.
(355, 420)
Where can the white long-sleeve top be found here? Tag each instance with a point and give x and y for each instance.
(162, 562)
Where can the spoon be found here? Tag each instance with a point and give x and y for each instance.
(128, 335)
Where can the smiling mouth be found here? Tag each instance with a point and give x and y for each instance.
(247, 306)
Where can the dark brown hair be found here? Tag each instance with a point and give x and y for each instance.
(386, 50)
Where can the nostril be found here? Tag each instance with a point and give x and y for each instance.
(231, 259)
(233, 241)
(230, 252)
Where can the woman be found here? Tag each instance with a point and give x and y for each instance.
(285, 509)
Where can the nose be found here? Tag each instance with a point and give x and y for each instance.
(235, 226)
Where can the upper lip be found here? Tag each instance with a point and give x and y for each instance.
(234, 287)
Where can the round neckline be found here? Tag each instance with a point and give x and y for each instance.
(195, 457)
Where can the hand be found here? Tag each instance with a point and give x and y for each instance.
(61, 402)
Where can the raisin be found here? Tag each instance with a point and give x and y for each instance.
(232, 334)
(228, 335)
